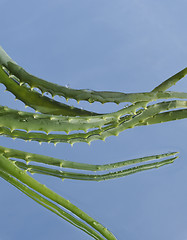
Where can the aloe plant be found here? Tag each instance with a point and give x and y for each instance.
(51, 116)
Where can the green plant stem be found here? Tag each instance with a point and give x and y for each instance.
(49, 205)
(38, 102)
(84, 94)
(91, 177)
(9, 167)
(38, 158)
(166, 117)
(103, 133)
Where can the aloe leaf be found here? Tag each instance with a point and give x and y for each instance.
(81, 94)
(91, 177)
(38, 102)
(9, 167)
(38, 158)
(37, 197)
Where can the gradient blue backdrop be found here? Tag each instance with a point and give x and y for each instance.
(122, 45)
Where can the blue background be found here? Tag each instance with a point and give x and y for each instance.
(128, 46)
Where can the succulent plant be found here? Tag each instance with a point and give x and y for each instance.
(72, 125)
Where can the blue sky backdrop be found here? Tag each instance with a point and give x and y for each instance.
(128, 46)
